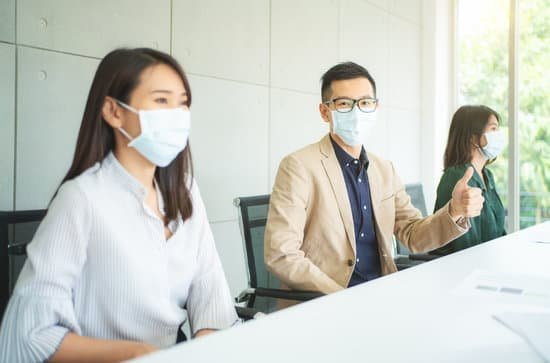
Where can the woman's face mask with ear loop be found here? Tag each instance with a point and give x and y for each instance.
(164, 133)
(496, 142)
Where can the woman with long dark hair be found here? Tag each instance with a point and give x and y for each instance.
(125, 252)
(475, 141)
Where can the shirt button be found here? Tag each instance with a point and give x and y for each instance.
(347, 164)
(350, 262)
(359, 180)
(357, 260)
(365, 207)
(362, 234)
(355, 161)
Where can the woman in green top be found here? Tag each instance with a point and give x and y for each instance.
(474, 140)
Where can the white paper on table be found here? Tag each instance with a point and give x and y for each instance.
(506, 288)
(533, 327)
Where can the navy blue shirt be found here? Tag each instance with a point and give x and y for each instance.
(367, 264)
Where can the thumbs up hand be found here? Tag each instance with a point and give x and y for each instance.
(466, 201)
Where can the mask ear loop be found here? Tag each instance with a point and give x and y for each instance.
(123, 132)
(128, 107)
(131, 109)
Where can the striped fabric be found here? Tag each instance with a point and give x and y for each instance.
(100, 266)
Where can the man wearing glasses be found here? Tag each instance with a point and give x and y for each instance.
(335, 207)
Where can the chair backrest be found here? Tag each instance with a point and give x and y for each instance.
(17, 229)
(416, 192)
(253, 217)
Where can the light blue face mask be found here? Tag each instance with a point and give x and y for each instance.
(164, 133)
(496, 142)
(353, 126)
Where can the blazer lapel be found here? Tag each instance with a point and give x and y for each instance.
(334, 174)
(375, 187)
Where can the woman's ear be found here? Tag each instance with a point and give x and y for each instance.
(479, 141)
(474, 141)
(111, 112)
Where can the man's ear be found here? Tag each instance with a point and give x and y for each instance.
(111, 112)
(325, 112)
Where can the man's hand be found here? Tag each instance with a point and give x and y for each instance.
(466, 201)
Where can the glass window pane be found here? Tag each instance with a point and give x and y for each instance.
(483, 67)
(534, 111)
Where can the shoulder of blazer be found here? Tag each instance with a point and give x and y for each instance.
(311, 152)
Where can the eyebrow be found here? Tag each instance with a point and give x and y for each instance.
(167, 91)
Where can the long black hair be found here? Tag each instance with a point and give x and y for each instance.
(117, 76)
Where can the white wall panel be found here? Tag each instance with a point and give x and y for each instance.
(304, 42)
(364, 39)
(7, 21)
(407, 9)
(379, 138)
(7, 124)
(52, 91)
(223, 39)
(404, 148)
(404, 64)
(229, 142)
(295, 122)
(93, 28)
(382, 4)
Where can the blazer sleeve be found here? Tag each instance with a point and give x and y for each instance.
(285, 231)
(444, 194)
(423, 234)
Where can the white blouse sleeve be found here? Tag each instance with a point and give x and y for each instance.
(209, 303)
(41, 312)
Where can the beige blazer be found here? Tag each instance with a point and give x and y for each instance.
(310, 237)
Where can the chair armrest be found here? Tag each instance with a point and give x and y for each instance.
(404, 262)
(246, 313)
(288, 294)
(422, 257)
(17, 249)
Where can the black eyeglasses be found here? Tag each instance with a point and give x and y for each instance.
(345, 104)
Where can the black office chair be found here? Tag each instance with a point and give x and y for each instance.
(404, 258)
(264, 287)
(17, 229)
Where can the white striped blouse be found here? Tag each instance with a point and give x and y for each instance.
(100, 266)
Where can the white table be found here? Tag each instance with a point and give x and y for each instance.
(410, 316)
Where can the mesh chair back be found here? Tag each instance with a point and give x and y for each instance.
(253, 212)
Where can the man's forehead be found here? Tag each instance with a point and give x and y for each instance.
(356, 86)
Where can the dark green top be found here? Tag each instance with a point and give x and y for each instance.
(485, 227)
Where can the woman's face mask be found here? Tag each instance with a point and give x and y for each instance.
(164, 133)
(496, 142)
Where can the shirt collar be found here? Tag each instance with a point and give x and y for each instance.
(120, 175)
(478, 178)
(112, 167)
(346, 159)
